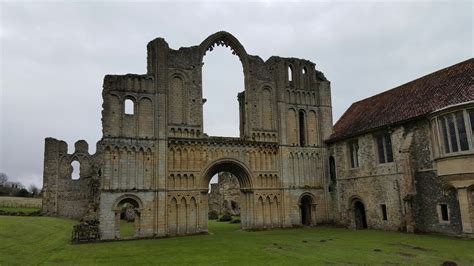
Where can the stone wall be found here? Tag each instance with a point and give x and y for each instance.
(432, 191)
(63, 196)
(158, 156)
(409, 186)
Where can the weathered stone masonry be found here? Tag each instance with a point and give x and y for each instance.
(160, 159)
(399, 160)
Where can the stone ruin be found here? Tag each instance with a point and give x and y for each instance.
(224, 196)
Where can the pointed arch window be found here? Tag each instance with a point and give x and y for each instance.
(290, 73)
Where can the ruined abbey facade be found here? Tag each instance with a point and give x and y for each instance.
(159, 160)
(400, 160)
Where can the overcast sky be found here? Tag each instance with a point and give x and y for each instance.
(54, 56)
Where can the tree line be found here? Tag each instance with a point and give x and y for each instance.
(17, 189)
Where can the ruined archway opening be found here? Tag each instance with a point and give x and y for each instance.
(224, 199)
(359, 215)
(127, 218)
(222, 80)
(228, 198)
(306, 206)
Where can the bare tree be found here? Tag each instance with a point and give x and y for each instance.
(3, 179)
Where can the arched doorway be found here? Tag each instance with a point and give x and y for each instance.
(359, 215)
(307, 210)
(127, 217)
(242, 173)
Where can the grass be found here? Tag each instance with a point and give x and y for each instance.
(24, 210)
(127, 229)
(46, 240)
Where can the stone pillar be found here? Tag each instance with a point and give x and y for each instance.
(464, 206)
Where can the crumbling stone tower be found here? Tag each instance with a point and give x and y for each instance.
(159, 159)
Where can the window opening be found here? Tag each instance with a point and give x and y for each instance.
(302, 128)
(384, 148)
(444, 212)
(76, 170)
(290, 73)
(384, 211)
(354, 153)
(129, 107)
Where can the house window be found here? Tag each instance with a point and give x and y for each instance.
(455, 129)
(354, 153)
(443, 212)
(384, 148)
(383, 207)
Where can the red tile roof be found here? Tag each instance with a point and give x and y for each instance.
(448, 86)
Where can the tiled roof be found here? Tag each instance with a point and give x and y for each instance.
(448, 86)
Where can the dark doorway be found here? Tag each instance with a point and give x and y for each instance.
(306, 203)
(359, 213)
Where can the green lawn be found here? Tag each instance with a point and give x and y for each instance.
(45, 240)
(14, 209)
(127, 229)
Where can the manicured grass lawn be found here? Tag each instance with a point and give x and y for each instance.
(24, 210)
(38, 240)
(127, 229)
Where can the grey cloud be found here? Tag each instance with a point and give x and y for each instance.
(54, 56)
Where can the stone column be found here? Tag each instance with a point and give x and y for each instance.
(463, 198)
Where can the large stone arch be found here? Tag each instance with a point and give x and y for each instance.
(243, 174)
(231, 165)
(228, 40)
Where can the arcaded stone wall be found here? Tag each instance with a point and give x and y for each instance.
(157, 156)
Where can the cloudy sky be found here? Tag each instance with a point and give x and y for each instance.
(54, 56)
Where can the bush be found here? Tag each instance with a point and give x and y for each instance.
(235, 221)
(213, 215)
(226, 217)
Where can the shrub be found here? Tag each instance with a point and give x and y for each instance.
(213, 215)
(235, 221)
(226, 217)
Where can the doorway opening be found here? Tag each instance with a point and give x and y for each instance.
(222, 80)
(229, 200)
(306, 206)
(359, 214)
(127, 218)
(224, 199)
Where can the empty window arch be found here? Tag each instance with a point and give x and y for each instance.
(302, 128)
(304, 71)
(76, 170)
(129, 107)
(290, 73)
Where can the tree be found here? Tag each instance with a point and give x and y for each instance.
(3, 179)
(22, 193)
(34, 190)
